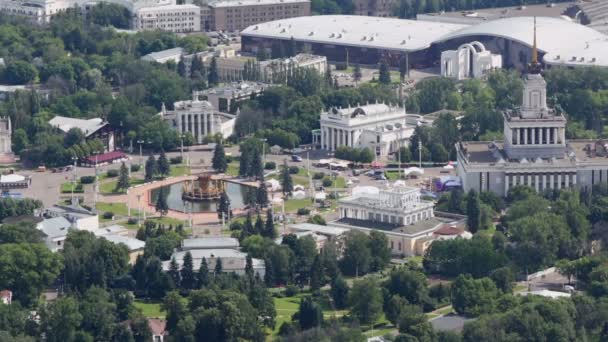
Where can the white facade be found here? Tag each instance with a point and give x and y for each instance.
(199, 118)
(41, 11)
(380, 127)
(174, 18)
(175, 55)
(397, 205)
(6, 132)
(534, 152)
(226, 98)
(469, 61)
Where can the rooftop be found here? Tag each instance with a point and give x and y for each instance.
(168, 8)
(236, 88)
(350, 30)
(55, 227)
(114, 229)
(319, 229)
(486, 14)
(562, 41)
(237, 3)
(131, 243)
(159, 55)
(210, 243)
(577, 152)
(87, 126)
(420, 227)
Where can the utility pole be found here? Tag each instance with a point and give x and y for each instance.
(419, 152)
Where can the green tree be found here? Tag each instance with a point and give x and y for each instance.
(203, 274)
(261, 194)
(286, 180)
(474, 297)
(403, 68)
(379, 251)
(60, 319)
(19, 72)
(317, 277)
(384, 76)
(187, 272)
(219, 162)
(357, 257)
(150, 169)
(213, 77)
(269, 231)
(310, 314)
(27, 269)
(223, 207)
(357, 74)
(174, 272)
(218, 267)
(163, 167)
(473, 212)
(162, 206)
(366, 300)
(20, 232)
(123, 179)
(504, 278)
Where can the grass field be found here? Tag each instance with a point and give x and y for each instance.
(179, 170)
(109, 187)
(66, 188)
(233, 169)
(292, 205)
(287, 306)
(149, 309)
(116, 208)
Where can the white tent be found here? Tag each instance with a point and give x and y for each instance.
(298, 187)
(413, 171)
(273, 184)
(300, 194)
(320, 196)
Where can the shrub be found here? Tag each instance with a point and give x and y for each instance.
(270, 165)
(294, 169)
(87, 179)
(132, 220)
(135, 167)
(318, 175)
(303, 211)
(175, 160)
(291, 290)
(112, 173)
(327, 182)
(108, 215)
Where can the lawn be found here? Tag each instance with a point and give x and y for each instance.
(233, 169)
(109, 187)
(287, 306)
(292, 205)
(179, 170)
(149, 309)
(66, 188)
(488, 232)
(119, 209)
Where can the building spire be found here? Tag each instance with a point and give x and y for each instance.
(534, 48)
(534, 67)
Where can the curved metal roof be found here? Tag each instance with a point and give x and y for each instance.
(556, 37)
(563, 42)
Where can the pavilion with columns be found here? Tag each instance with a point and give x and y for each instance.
(534, 151)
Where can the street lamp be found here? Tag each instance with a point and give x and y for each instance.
(263, 153)
(181, 152)
(74, 158)
(96, 186)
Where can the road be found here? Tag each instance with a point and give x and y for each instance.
(46, 185)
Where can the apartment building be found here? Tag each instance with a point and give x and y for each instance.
(374, 8)
(232, 15)
(173, 18)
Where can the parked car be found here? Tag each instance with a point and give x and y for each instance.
(296, 158)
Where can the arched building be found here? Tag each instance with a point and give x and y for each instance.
(366, 40)
(470, 60)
